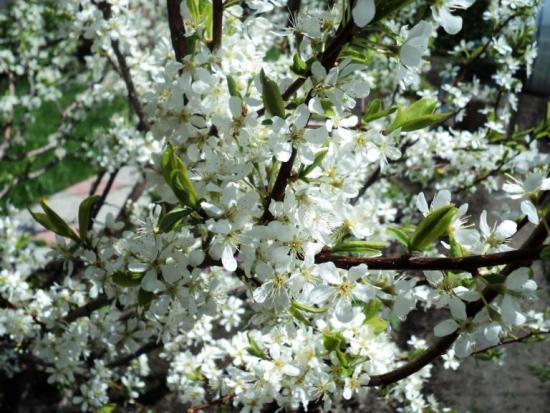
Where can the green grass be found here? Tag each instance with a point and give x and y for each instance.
(47, 120)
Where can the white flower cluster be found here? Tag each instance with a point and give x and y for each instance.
(246, 276)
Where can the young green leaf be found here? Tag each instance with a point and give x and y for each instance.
(126, 278)
(145, 298)
(84, 215)
(400, 235)
(365, 247)
(299, 67)
(417, 116)
(170, 220)
(304, 171)
(232, 87)
(432, 227)
(254, 349)
(271, 95)
(332, 341)
(177, 177)
(375, 111)
(307, 308)
(299, 316)
(55, 223)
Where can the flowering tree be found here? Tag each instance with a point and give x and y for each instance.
(300, 162)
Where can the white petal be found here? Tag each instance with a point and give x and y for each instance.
(363, 12)
(421, 203)
(451, 24)
(458, 308)
(464, 346)
(261, 293)
(505, 230)
(441, 199)
(434, 277)
(445, 328)
(150, 282)
(364, 292)
(318, 71)
(228, 260)
(320, 294)
(302, 116)
(403, 305)
(492, 333)
(329, 273)
(483, 226)
(291, 370)
(529, 209)
(343, 311)
(511, 311)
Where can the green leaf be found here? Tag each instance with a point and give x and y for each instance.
(545, 254)
(432, 227)
(372, 308)
(272, 55)
(126, 278)
(145, 298)
(107, 408)
(308, 309)
(378, 325)
(54, 222)
(417, 116)
(171, 220)
(271, 95)
(400, 235)
(495, 279)
(332, 341)
(232, 87)
(43, 220)
(84, 215)
(254, 349)
(299, 66)
(376, 111)
(177, 177)
(342, 358)
(365, 247)
(299, 316)
(304, 171)
(194, 8)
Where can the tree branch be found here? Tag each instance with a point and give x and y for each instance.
(217, 24)
(177, 29)
(327, 60)
(468, 263)
(441, 346)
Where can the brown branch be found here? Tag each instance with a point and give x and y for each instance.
(512, 341)
(97, 207)
(441, 346)
(87, 309)
(468, 263)
(217, 24)
(177, 29)
(146, 348)
(327, 60)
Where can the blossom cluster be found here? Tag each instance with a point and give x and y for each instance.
(231, 270)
